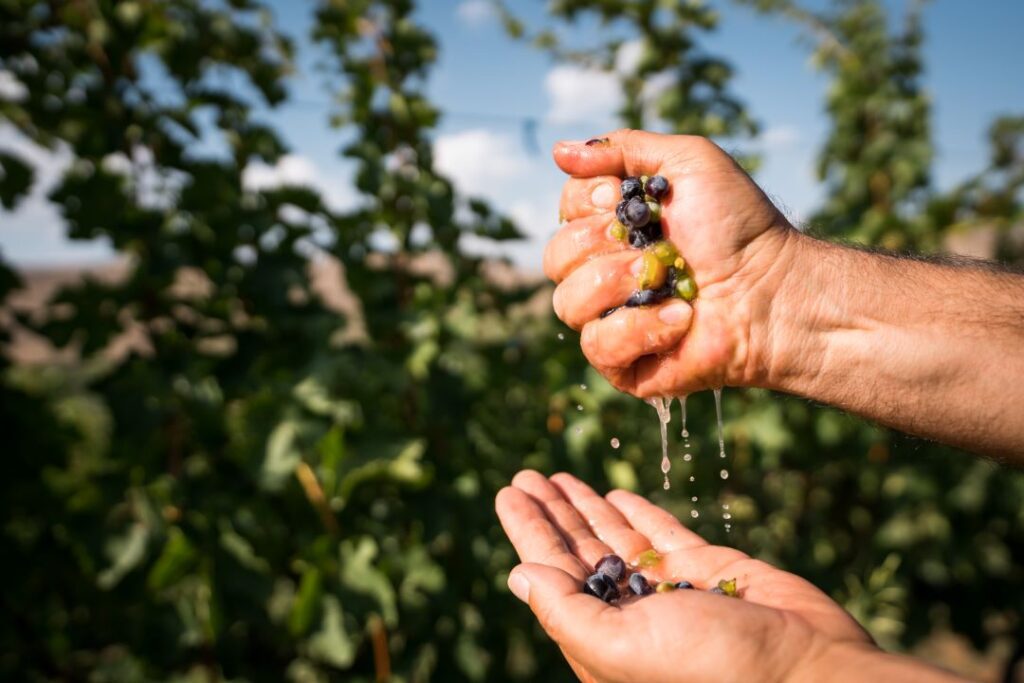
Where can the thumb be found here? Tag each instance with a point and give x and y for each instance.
(575, 620)
(628, 153)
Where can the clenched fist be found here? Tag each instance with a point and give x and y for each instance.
(730, 234)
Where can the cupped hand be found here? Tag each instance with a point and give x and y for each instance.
(779, 629)
(733, 238)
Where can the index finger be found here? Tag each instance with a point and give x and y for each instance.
(533, 535)
(627, 152)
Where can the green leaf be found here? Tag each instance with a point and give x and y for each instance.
(126, 553)
(331, 643)
(307, 602)
(15, 180)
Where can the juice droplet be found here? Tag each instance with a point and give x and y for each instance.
(725, 506)
(665, 485)
(583, 387)
(724, 474)
(561, 336)
(687, 457)
(682, 406)
(692, 478)
(664, 417)
(726, 515)
(728, 528)
(693, 499)
(579, 407)
(694, 514)
(615, 443)
(718, 415)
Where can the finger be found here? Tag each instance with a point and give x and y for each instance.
(583, 197)
(532, 534)
(574, 529)
(631, 152)
(577, 242)
(665, 532)
(604, 519)
(596, 286)
(574, 620)
(629, 333)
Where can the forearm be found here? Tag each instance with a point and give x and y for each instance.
(932, 349)
(860, 663)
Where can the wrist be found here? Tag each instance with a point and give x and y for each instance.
(852, 662)
(786, 339)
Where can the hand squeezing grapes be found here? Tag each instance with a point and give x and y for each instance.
(651, 221)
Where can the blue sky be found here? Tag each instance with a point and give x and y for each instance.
(487, 84)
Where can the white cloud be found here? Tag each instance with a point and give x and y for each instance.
(295, 169)
(495, 167)
(628, 56)
(580, 95)
(780, 137)
(474, 12)
(480, 162)
(11, 89)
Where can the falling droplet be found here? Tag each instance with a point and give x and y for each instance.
(687, 457)
(583, 387)
(664, 417)
(692, 478)
(615, 442)
(579, 430)
(561, 336)
(725, 506)
(682, 405)
(718, 415)
(728, 528)
(579, 407)
(665, 485)
(726, 515)
(724, 474)
(694, 499)
(694, 514)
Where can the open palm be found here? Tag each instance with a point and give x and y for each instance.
(560, 527)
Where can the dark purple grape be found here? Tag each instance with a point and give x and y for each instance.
(645, 235)
(631, 187)
(611, 566)
(638, 214)
(642, 297)
(620, 212)
(638, 584)
(684, 585)
(610, 311)
(657, 186)
(600, 586)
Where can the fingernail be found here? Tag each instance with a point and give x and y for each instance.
(603, 196)
(519, 585)
(674, 313)
(570, 143)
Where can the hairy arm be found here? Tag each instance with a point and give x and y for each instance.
(933, 348)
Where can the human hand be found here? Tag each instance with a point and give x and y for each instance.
(732, 237)
(781, 629)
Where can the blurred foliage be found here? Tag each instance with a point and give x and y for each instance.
(265, 489)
